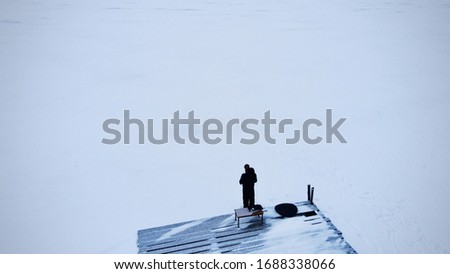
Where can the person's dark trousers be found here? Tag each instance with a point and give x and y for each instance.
(245, 197)
(251, 197)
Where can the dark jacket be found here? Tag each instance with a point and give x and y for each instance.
(248, 180)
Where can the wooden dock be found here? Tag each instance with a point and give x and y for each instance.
(307, 232)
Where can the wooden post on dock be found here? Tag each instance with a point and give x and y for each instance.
(309, 193)
(312, 195)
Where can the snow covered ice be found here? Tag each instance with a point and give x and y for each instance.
(66, 66)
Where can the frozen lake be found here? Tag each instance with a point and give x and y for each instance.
(67, 66)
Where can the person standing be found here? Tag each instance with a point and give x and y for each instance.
(248, 180)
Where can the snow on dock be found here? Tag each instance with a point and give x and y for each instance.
(307, 232)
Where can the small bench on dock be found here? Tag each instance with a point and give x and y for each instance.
(244, 212)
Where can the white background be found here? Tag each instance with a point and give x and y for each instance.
(66, 66)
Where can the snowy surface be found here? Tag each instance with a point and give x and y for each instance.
(294, 235)
(66, 66)
(307, 232)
